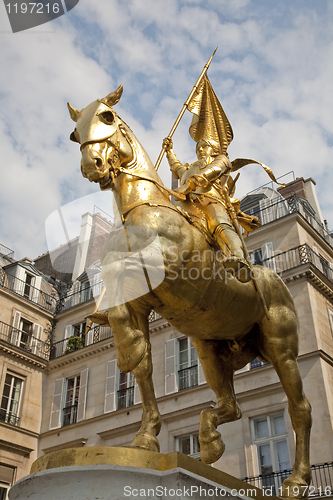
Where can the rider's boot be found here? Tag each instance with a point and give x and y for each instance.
(99, 317)
(235, 263)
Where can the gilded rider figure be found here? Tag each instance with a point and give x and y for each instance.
(203, 182)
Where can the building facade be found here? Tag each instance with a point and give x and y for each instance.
(28, 304)
(86, 401)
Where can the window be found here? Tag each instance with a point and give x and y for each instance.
(271, 447)
(86, 291)
(182, 367)
(72, 400)
(24, 334)
(256, 257)
(264, 256)
(11, 399)
(121, 389)
(188, 365)
(77, 331)
(125, 394)
(69, 400)
(4, 488)
(189, 445)
(330, 313)
(28, 284)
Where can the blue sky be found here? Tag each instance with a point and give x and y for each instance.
(273, 73)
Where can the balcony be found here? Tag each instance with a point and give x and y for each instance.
(72, 344)
(321, 484)
(25, 341)
(296, 257)
(9, 418)
(7, 252)
(270, 210)
(30, 293)
(85, 294)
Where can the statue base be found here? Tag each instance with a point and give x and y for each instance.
(107, 473)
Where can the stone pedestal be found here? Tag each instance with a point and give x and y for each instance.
(101, 473)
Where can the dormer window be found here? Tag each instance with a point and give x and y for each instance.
(28, 284)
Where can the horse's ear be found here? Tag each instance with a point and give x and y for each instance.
(113, 98)
(73, 112)
(73, 138)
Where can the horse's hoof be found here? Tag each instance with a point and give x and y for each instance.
(146, 442)
(295, 486)
(129, 355)
(212, 450)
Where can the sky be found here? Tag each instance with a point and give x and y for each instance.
(273, 74)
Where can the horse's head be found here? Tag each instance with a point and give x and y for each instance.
(104, 142)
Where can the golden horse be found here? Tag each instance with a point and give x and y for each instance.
(223, 316)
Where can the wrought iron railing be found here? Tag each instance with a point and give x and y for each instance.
(29, 292)
(188, 377)
(86, 293)
(153, 316)
(66, 346)
(70, 415)
(321, 483)
(8, 252)
(271, 210)
(296, 257)
(24, 341)
(125, 397)
(8, 417)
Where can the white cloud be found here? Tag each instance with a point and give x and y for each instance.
(272, 73)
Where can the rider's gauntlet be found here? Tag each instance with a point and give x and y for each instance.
(177, 168)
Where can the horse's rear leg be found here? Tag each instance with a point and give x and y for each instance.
(131, 334)
(216, 361)
(280, 345)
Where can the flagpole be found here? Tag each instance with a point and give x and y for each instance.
(175, 125)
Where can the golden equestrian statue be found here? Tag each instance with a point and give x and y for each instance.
(231, 319)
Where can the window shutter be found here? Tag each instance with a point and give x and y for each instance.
(69, 332)
(170, 367)
(36, 287)
(76, 295)
(56, 409)
(137, 394)
(81, 408)
(20, 275)
(110, 387)
(267, 252)
(90, 335)
(16, 327)
(266, 212)
(201, 376)
(37, 335)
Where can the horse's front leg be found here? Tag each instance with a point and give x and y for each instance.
(131, 336)
(151, 419)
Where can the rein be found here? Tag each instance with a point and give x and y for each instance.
(142, 177)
